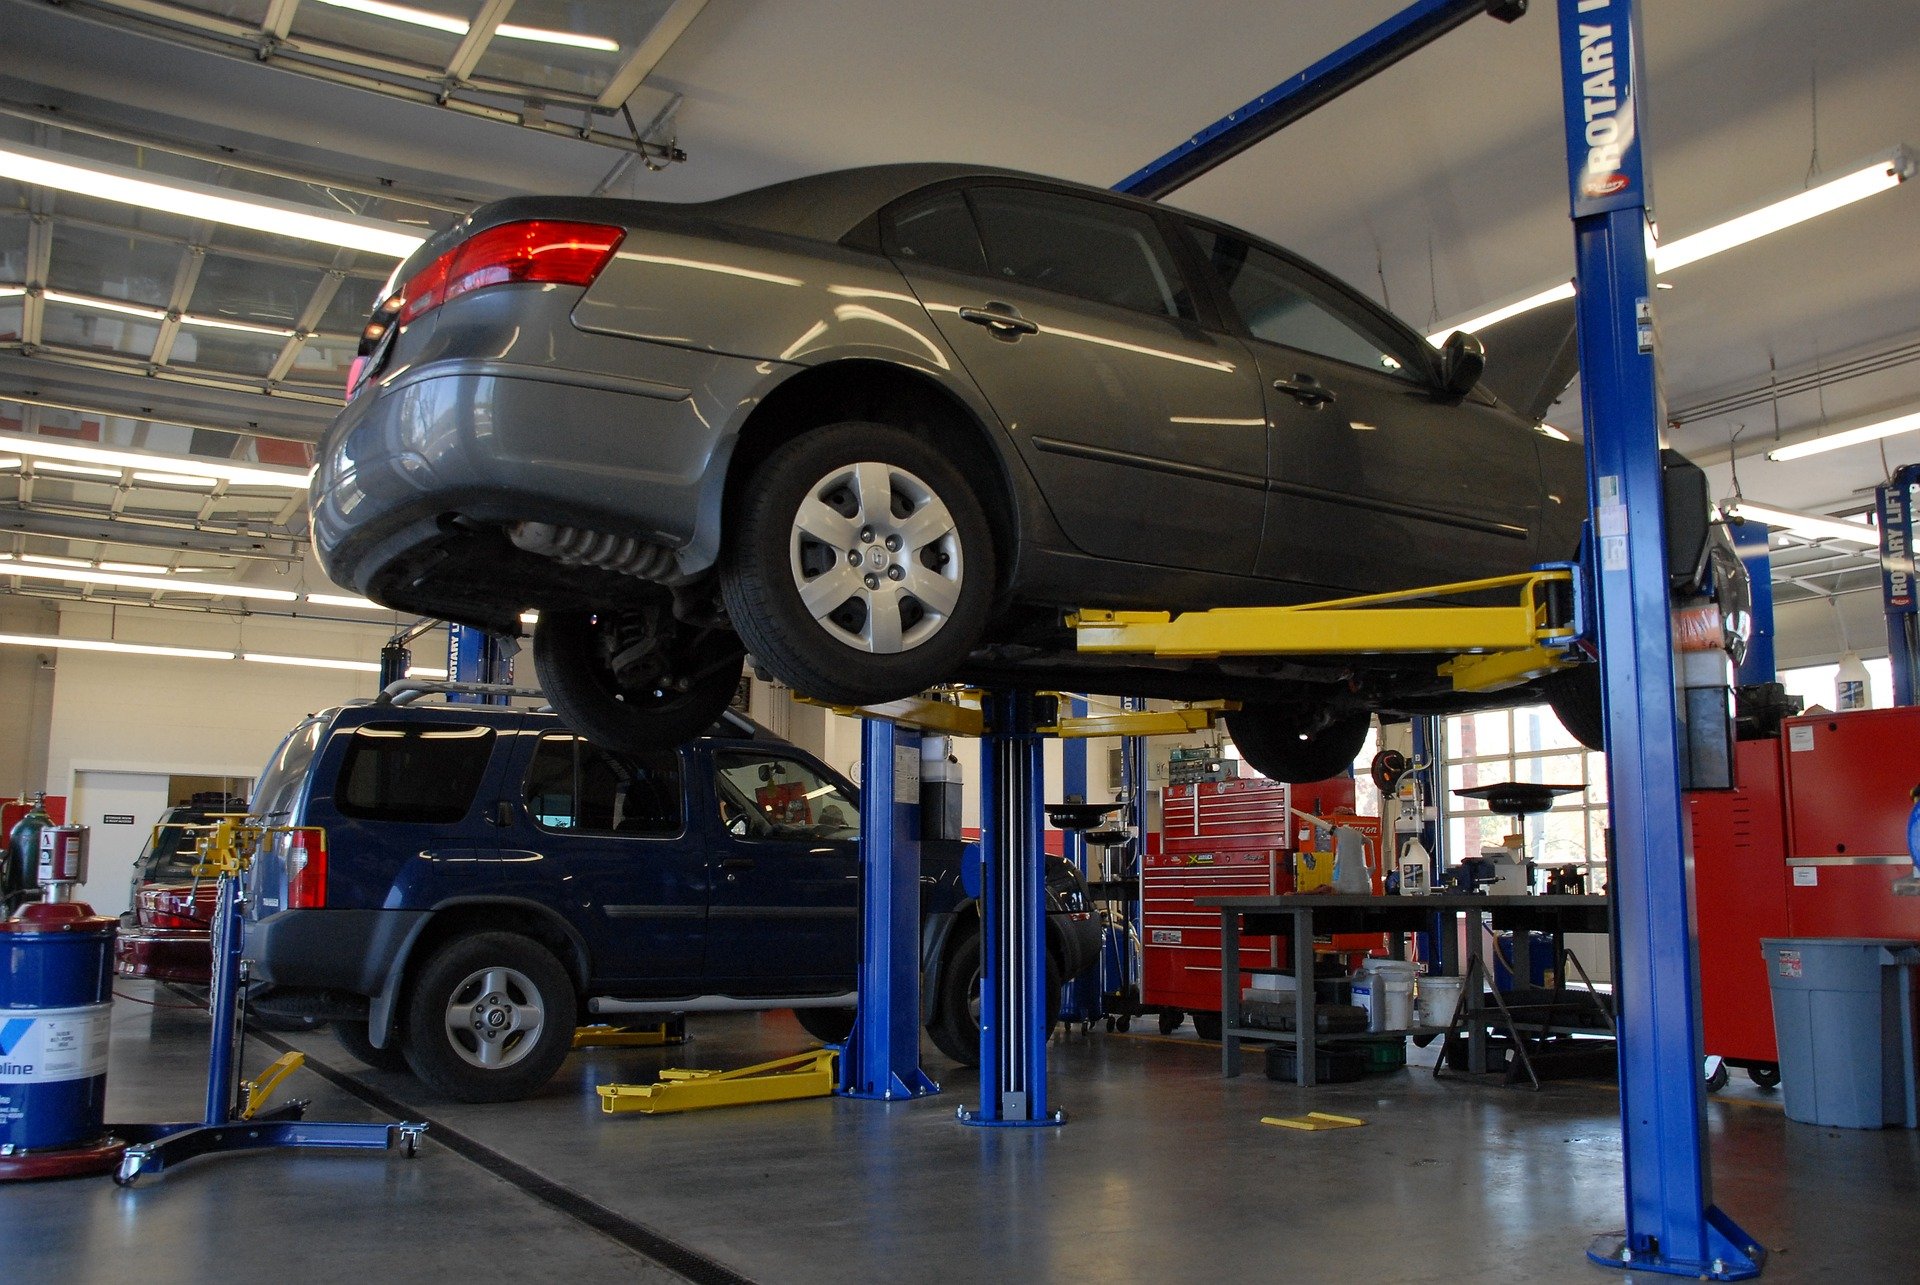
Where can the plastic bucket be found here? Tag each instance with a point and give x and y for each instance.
(1843, 1014)
(1390, 994)
(1439, 996)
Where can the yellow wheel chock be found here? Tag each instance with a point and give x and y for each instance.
(260, 1090)
(603, 1036)
(804, 1075)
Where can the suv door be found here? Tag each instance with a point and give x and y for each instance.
(1145, 431)
(784, 916)
(632, 870)
(1379, 479)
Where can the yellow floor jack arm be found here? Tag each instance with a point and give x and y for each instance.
(804, 1075)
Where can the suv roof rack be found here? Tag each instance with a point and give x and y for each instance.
(406, 690)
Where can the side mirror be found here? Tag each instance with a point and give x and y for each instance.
(1463, 359)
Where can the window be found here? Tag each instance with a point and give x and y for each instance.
(939, 233)
(1085, 248)
(1527, 744)
(574, 785)
(413, 773)
(1276, 303)
(765, 796)
(279, 786)
(1814, 684)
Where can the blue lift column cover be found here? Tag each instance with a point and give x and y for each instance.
(1896, 500)
(1672, 1224)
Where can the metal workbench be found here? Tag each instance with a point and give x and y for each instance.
(1300, 916)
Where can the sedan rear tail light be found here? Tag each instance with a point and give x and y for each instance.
(530, 250)
(306, 870)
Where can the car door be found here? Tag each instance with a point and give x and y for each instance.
(1379, 479)
(784, 916)
(633, 872)
(1145, 431)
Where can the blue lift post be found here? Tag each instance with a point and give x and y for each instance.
(882, 1056)
(1083, 999)
(476, 656)
(1672, 1224)
(1750, 540)
(1896, 500)
(1013, 982)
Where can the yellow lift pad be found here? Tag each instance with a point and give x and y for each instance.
(804, 1075)
(620, 1037)
(1314, 1121)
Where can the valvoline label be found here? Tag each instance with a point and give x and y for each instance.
(50, 1045)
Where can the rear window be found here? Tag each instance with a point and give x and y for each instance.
(278, 789)
(574, 785)
(410, 772)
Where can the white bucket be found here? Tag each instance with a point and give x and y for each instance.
(1388, 984)
(1439, 996)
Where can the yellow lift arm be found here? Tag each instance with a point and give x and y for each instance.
(804, 1075)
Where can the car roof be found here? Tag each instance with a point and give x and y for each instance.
(732, 727)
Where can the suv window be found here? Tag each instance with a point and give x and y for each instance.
(938, 232)
(279, 785)
(1081, 247)
(1277, 305)
(770, 796)
(413, 773)
(575, 785)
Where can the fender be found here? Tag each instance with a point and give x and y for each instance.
(380, 1011)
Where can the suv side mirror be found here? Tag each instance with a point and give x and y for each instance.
(1463, 359)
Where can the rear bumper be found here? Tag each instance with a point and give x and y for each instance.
(351, 951)
(165, 955)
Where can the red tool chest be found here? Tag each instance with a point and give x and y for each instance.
(1740, 896)
(1849, 787)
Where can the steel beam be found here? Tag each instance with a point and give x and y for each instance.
(1672, 1224)
(1360, 59)
(882, 1058)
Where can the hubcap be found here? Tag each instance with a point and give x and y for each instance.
(876, 557)
(494, 1018)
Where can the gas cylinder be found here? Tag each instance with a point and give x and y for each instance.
(23, 852)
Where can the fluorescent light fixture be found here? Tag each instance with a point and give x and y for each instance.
(79, 470)
(313, 662)
(9, 292)
(103, 644)
(1887, 171)
(1812, 526)
(52, 561)
(529, 617)
(152, 462)
(105, 305)
(459, 26)
(414, 671)
(1851, 437)
(11, 566)
(42, 168)
(1890, 171)
(344, 600)
(175, 479)
(245, 327)
(135, 568)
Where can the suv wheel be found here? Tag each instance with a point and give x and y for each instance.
(862, 568)
(635, 680)
(354, 1039)
(490, 1018)
(828, 1025)
(956, 1012)
(1268, 738)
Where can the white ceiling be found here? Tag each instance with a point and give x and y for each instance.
(1440, 186)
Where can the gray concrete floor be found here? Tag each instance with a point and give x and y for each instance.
(1163, 1173)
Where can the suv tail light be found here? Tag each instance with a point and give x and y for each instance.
(306, 869)
(528, 250)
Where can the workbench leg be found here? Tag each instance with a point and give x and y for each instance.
(1672, 1224)
(1477, 982)
(1013, 982)
(1305, 1043)
(1229, 992)
(882, 1057)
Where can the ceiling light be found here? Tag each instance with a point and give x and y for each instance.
(344, 600)
(103, 644)
(42, 168)
(246, 327)
(1851, 437)
(313, 662)
(52, 561)
(156, 464)
(134, 568)
(1889, 170)
(458, 26)
(78, 470)
(11, 566)
(529, 617)
(1813, 526)
(414, 671)
(8, 292)
(105, 305)
(175, 479)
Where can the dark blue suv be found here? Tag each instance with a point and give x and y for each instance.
(488, 880)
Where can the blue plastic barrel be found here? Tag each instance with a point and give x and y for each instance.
(56, 1005)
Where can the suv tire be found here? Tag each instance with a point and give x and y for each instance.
(1266, 738)
(956, 1021)
(828, 1025)
(570, 650)
(519, 1016)
(853, 598)
(358, 1043)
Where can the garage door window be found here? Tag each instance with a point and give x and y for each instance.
(1277, 306)
(1089, 249)
(575, 785)
(409, 773)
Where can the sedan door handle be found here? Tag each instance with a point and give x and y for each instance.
(1003, 319)
(1307, 389)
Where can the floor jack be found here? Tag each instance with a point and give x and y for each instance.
(235, 1120)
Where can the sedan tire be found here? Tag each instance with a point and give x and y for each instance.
(575, 652)
(490, 1018)
(1266, 738)
(862, 565)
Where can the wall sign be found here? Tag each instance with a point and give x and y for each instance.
(116, 818)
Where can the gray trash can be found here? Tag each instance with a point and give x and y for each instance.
(1843, 1015)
